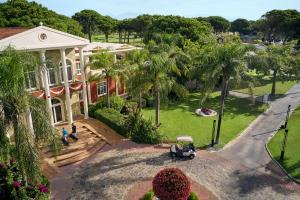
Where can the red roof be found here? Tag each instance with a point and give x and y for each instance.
(10, 31)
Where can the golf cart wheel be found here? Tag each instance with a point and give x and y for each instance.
(192, 156)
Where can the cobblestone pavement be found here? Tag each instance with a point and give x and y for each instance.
(110, 174)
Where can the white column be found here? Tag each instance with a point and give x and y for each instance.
(66, 83)
(89, 93)
(84, 93)
(46, 86)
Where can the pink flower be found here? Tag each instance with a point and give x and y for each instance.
(16, 184)
(43, 189)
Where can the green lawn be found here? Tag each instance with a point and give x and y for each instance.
(114, 38)
(264, 87)
(179, 118)
(292, 154)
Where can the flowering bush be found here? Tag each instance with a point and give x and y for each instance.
(171, 183)
(206, 111)
(12, 184)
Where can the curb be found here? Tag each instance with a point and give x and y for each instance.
(277, 163)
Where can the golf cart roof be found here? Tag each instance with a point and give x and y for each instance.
(184, 139)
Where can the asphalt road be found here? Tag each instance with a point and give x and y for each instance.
(249, 149)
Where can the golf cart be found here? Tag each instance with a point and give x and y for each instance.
(184, 147)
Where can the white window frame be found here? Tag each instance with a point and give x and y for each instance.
(99, 85)
(80, 94)
(78, 68)
(29, 80)
(48, 75)
(62, 74)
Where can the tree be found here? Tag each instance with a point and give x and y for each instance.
(89, 19)
(241, 25)
(224, 60)
(219, 24)
(17, 109)
(29, 14)
(278, 25)
(273, 61)
(112, 69)
(106, 24)
(136, 84)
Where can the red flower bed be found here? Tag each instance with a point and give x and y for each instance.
(206, 111)
(171, 184)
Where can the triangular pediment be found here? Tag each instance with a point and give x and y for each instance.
(42, 37)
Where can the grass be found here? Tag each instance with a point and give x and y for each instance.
(179, 118)
(114, 38)
(265, 86)
(292, 153)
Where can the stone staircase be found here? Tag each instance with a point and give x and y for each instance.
(88, 144)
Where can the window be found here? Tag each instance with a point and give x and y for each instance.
(80, 96)
(78, 68)
(51, 76)
(101, 88)
(30, 80)
(69, 71)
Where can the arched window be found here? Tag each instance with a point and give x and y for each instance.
(69, 71)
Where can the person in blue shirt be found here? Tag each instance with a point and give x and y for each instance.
(65, 136)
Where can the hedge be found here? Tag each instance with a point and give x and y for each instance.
(112, 118)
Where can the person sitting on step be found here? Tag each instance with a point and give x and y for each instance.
(65, 136)
(73, 135)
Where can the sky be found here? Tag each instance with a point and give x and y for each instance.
(120, 9)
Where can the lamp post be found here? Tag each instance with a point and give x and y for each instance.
(213, 133)
(287, 116)
(284, 144)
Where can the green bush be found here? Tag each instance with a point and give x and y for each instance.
(193, 196)
(116, 102)
(111, 117)
(150, 101)
(148, 196)
(92, 110)
(141, 130)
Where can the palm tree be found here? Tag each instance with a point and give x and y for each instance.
(17, 109)
(157, 76)
(226, 60)
(112, 69)
(136, 61)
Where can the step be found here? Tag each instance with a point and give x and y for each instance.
(82, 156)
(81, 143)
(73, 153)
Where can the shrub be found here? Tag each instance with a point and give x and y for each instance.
(12, 184)
(141, 130)
(116, 102)
(114, 119)
(171, 183)
(150, 101)
(193, 196)
(148, 196)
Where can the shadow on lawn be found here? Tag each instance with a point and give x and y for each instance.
(233, 106)
(291, 169)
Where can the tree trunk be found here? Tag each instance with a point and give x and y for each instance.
(157, 108)
(274, 83)
(107, 92)
(106, 37)
(222, 102)
(128, 37)
(124, 38)
(120, 36)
